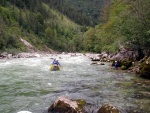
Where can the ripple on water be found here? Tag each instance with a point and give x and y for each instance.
(28, 84)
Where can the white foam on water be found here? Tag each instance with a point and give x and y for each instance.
(5, 63)
(24, 112)
(49, 84)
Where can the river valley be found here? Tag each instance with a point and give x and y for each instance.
(28, 84)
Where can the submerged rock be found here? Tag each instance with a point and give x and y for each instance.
(65, 105)
(108, 108)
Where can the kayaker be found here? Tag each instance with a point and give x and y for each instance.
(56, 62)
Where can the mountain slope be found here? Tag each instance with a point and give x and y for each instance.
(83, 12)
(40, 25)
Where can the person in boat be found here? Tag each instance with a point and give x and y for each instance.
(56, 62)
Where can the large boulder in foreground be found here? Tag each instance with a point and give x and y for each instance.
(65, 105)
(145, 68)
(108, 108)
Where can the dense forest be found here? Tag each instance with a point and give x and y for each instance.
(39, 24)
(83, 12)
(124, 24)
(75, 25)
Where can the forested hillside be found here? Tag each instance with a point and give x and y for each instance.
(124, 23)
(37, 23)
(75, 25)
(83, 12)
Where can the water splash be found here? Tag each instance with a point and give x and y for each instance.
(29, 84)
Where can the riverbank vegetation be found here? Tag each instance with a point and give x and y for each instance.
(125, 23)
(103, 25)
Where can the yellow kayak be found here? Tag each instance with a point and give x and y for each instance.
(54, 67)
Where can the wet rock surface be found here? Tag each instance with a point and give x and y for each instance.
(108, 108)
(145, 68)
(65, 105)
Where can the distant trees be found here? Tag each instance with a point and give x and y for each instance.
(3, 2)
(122, 23)
(37, 23)
(83, 12)
(125, 23)
(91, 42)
(137, 26)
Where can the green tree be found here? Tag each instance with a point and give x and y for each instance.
(89, 39)
(137, 25)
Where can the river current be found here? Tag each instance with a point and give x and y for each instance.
(28, 84)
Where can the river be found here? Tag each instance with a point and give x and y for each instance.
(28, 84)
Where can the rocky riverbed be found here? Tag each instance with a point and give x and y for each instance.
(129, 60)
